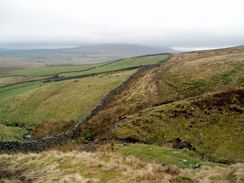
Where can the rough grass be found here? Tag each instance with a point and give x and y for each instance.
(162, 155)
(105, 166)
(141, 93)
(212, 125)
(196, 73)
(56, 101)
(49, 128)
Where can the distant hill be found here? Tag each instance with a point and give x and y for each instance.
(82, 54)
(122, 50)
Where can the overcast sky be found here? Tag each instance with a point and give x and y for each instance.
(176, 23)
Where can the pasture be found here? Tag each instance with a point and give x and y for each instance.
(31, 104)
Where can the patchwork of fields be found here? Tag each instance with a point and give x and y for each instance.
(37, 105)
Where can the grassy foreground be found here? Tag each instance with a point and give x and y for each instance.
(107, 166)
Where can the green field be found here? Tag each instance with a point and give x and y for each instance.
(76, 70)
(6, 80)
(165, 155)
(10, 91)
(49, 70)
(32, 104)
(124, 63)
(99, 67)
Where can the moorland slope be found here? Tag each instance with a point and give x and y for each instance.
(183, 76)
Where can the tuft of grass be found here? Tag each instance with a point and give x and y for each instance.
(182, 180)
(11, 133)
(88, 134)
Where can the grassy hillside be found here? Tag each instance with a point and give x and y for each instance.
(184, 75)
(6, 80)
(18, 89)
(107, 166)
(211, 125)
(30, 105)
(196, 73)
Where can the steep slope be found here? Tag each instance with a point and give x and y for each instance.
(184, 75)
(211, 125)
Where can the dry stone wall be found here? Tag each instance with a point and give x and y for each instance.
(51, 141)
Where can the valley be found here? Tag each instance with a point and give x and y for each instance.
(154, 118)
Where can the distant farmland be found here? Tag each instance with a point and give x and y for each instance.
(78, 70)
(94, 68)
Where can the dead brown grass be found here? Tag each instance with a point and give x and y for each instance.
(104, 166)
(51, 128)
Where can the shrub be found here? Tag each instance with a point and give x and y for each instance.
(88, 134)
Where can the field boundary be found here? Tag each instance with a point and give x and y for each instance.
(45, 80)
(48, 79)
(74, 132)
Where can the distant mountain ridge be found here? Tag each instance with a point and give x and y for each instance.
(83, 54)
(128, 49)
